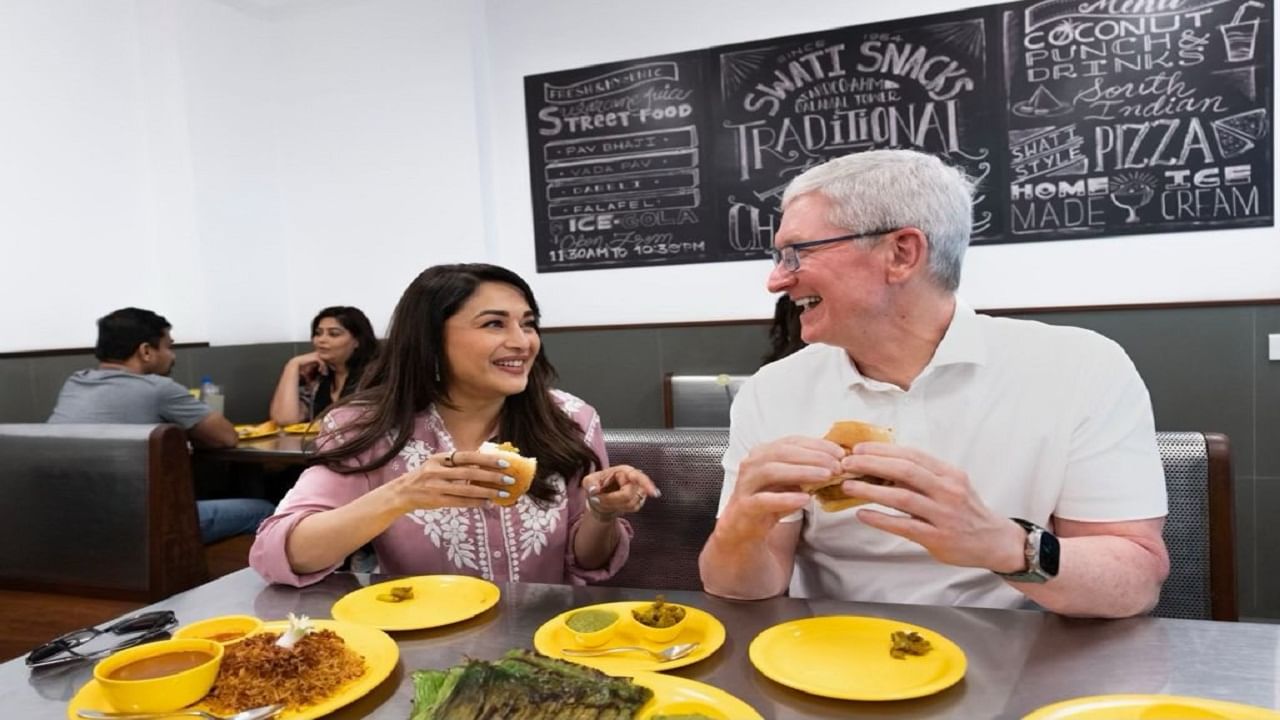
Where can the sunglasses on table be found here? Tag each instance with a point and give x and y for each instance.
(144, 627)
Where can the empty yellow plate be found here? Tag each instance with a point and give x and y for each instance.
(674, 695)
(302, 428)
(1150, 707)
(379, 651)
(437, 600)
(847, 657)
(700, 626)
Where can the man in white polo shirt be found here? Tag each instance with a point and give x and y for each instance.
(1025, 464)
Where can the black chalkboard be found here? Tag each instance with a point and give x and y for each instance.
(617, 155)
(1078, 118)
(1136, 117)
(785, 105)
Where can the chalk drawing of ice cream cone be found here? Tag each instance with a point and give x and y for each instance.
(1131, 191)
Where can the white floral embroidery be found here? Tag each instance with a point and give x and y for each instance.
(449, 528)
(568, 403)
(537, 522)
(414, 453)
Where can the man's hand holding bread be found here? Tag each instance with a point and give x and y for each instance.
(859, 463)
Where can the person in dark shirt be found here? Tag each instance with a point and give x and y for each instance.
(784, 334)
(343, 343)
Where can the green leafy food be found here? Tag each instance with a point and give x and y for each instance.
(397, 594)
(659, 614)
(908, 643)
(524, 686)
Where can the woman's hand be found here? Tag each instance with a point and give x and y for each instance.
(309, 366)
(452, 479)
(617, 490)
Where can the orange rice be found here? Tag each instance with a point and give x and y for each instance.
(255, 672)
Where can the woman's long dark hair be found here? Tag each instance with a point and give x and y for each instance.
(410, 375)
(784, 335)
(356, 323)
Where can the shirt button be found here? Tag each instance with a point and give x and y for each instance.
(497, 553)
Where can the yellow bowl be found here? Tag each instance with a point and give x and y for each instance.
(662, 634)
(221, 629)
(165, 693)
(593, 638)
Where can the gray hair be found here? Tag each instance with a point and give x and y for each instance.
(891, 189)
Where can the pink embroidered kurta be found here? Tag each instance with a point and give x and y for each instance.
(526, 542)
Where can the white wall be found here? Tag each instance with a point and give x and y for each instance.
(238, 164)
(84, 147)
(379, 170)
(534, 37)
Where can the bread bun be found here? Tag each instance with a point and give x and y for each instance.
(847, 434)
(522, 469)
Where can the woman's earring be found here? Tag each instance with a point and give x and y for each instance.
(437, 372)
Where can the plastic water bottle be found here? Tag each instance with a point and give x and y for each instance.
(211, 394)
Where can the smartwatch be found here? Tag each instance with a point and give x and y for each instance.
(1042, 552)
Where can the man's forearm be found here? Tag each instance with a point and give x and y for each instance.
(1103, 576)
(742, 566)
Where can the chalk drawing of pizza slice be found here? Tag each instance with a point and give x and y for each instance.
(1042, 103)
(1238, 134)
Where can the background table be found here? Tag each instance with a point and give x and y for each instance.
(1018, 659)
(287, 449)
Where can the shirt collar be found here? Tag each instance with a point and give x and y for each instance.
(962, 344)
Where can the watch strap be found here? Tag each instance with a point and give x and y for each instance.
(1034, 572)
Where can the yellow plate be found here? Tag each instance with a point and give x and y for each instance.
(674, 695)
(1150, 707)
(250, 432)
(700, 627)
(847, 657)
(302, 428)
(380, 656)
(437, 600)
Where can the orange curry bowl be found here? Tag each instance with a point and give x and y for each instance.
(161, 676)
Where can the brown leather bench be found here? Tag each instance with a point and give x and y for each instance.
(99, 511)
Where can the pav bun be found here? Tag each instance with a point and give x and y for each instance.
(847, 434)
(522, 469)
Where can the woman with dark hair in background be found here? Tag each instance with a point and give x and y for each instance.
(784, 335)
(343, 343)
(400, 462)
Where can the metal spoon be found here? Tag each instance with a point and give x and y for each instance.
(258, 713)
(667, 654)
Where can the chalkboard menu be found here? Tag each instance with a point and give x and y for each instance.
(1077, 118)
(1137, 117)
(789, 104)
(617, 154)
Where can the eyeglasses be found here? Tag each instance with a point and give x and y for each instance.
(149, 626)
(788, 256)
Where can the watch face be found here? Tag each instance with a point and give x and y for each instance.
(1049, 554)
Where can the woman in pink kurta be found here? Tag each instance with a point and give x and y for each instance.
(401, 463)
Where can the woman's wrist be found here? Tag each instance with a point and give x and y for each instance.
(598, 513)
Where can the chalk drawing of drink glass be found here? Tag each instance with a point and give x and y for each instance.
(1240, 36)
(1132, 191)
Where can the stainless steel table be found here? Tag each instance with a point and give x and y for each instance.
(286, 449)
(1018, 660)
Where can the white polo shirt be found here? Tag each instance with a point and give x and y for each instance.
(1046, 420)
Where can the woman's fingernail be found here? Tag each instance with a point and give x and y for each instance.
(508, 480)
(593, 490)
(657, 492)
(503, 463)
(504, 494)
